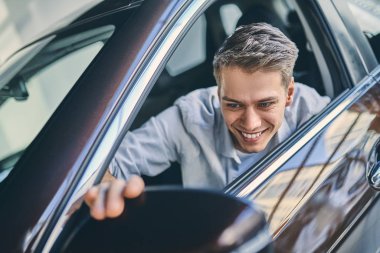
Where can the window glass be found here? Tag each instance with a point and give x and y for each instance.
(230, 15)
(191, 51)
(22, 118)
(367, 14)
(18, 60)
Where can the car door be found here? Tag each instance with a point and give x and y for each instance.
(115, 86)
(314, 188)
(149, 69)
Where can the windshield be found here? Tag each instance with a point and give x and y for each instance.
(14, 64)
(35, 81)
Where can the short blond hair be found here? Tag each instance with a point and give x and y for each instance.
(258, 46)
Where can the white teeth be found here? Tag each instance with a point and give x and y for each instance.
(251, 136)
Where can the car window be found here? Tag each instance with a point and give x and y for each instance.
(367, 14)
(170, 85)
(43, 82)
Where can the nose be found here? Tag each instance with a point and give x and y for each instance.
(250, 120)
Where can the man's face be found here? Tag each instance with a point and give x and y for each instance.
(253, 106)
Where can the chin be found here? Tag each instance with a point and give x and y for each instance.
(255, 149)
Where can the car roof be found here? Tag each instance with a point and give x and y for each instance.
(87, 13)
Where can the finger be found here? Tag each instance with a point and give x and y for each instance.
(97, 209)
(135, 186)
(91, 195)
(114, 199)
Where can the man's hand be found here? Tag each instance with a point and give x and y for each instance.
(106, 200)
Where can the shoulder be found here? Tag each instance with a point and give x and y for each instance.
(306, 103)
(308, 97)
(199, 106)
(304, 90)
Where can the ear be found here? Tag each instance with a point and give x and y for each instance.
(290, 93)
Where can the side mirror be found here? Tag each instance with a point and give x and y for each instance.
(171, 220)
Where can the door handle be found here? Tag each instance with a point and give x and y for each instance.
(373, 176)
(373, 167)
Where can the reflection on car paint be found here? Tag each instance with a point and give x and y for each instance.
(329, 207)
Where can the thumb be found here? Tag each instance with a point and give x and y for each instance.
(135, 186)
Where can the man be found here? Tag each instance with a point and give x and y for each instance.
(219, 132)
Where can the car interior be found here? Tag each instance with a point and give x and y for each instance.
(190, 66)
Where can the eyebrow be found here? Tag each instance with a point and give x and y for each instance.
(231, 100)
(239, 102)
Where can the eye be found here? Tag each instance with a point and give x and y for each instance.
(233, 105)
(265, 104)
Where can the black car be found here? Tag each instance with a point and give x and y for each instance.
(67, 99)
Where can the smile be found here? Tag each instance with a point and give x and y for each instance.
(253, 135)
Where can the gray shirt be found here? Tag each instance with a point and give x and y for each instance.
(193, 133)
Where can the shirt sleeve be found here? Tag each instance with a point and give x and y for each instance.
(150, 149)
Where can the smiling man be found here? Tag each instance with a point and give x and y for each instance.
(219, 132)
(253, 106)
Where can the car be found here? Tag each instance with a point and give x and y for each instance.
(68, 98)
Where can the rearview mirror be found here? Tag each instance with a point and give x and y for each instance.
(171, 220)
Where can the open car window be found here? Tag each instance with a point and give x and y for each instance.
(33, 92)
(190, 68)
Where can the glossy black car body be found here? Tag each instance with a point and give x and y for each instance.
(317, 188)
